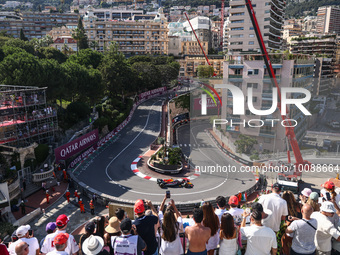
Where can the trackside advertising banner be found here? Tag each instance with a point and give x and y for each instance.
(68, 150)
(151, 93)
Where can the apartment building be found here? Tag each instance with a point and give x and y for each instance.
(249, 71)
(58, 32)
(107, 14)
(133, 37)
(190, 63)
(240, 31)
(193, 48)
(35, 24)
(202, 26)
(328, 20)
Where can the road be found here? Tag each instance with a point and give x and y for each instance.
(109, 172)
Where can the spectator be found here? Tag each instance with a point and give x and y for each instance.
(89, 230)
(198, 235)
(23, 234)
(313, 201)
(265, 214)
(21, 248)
(228, 235)
(304, 232)
(111, 230)
(100, 223)
(329, 194)
(128, 243)
(325, 228)
(234, 211)
(171, 243)
(3, 249)
(294, 208)
(210, 220)
(145, 226)
(72, 246)
(93, 245)
(60, 243)
(221, 204)
(276, 205)
(305, 193)
(120, 214)
(50, 228)
(260, 239)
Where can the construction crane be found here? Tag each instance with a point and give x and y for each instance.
(300, 164)
(222, 24)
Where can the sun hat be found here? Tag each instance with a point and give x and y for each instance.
(328, 185)
(306, 192)
(61, 238)
(139, 206)
(233, 200)
(314, 196)
(327, 206)
(22, 230)
(93, 245)
(113, 226)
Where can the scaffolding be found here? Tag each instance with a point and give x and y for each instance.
(25, 116)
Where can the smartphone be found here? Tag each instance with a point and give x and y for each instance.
(167, 194)
(30, 232)
(328, 196)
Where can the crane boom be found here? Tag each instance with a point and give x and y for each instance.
(290, 134)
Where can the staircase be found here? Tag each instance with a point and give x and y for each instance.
(31, 188)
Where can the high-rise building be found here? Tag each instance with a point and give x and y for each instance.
(249, 71)
(328, 20)
(240, 31)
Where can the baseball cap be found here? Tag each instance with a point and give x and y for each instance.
(327, 206)
(314, 196)
(233, 200)
(62, 220)
(51, 226)
(276, 186)
(306, 192)
(126, 225)
(90, 226)
(22, 230)
(139, 206)
(61, 238)
(328, 185)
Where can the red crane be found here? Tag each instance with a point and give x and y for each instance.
(222, 24)
(300, 164)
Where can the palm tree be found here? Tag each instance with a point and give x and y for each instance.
(77, 35)
(94, 45)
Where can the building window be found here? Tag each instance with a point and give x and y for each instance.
(267, 11)
(251, 28)
(238, 21)
(251, 35)
(251, 42)
(237, 28)
(253, 71)
(252, 85)
(266, 19)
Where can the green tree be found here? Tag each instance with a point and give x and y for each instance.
(167, 73)
(80, 36)
(51, 53)
(244, 144)
(25, 45)
(205, 71)
(148, 74)
(87, 58)
(94, 45)
(22, 36)
(135, 59)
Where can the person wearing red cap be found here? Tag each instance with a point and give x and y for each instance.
(145, 226)
(68, 194)
(329, 194)
(48, 245)
(234, 210)
(60, 243)
(278, 206)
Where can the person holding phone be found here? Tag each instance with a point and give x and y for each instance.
(24, 236)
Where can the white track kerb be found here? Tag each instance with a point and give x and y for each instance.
(136, 171)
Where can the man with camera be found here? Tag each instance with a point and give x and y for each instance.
(25, 234)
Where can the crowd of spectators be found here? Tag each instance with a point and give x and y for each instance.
(275, 222)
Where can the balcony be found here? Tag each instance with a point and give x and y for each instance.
(235, 76)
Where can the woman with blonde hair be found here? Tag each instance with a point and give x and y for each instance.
(210, 220)
(294, 208)
(313, 201)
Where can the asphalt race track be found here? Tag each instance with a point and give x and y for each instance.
(109, 172)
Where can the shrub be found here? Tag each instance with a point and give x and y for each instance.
(41, 152)
(100, 123)
(78, 110)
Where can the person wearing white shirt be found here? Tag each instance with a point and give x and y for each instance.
(23, 234)
(278, 206)
(48, 245)
(60, 243)
(325, 228)
(234, 210)
(221, 204)
(261, 240)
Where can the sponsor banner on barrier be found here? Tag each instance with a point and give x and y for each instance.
(210, 104)
(82, 156)
(74, 147)
(151, 93)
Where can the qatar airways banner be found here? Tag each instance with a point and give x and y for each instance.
(210, 103)
(67, 150)
(152, 93)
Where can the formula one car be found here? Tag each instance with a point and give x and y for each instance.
(174, 183)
